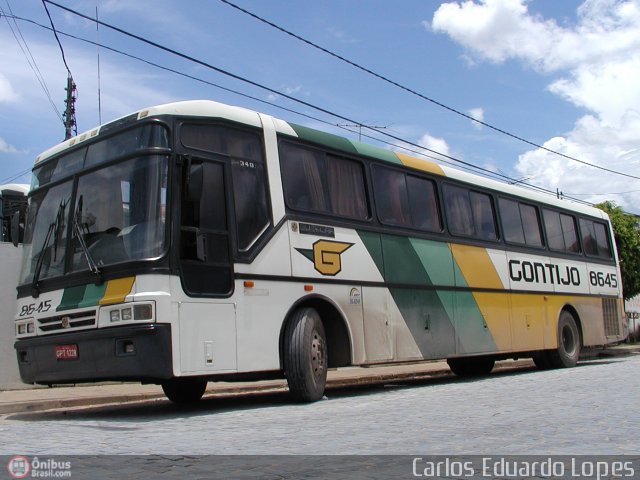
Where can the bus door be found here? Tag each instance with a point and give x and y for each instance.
(208, 322)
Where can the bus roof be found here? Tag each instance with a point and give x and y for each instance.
(212, 109)
(15, 188)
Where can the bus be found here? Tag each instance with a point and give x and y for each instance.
(13, 202)
(195, 241)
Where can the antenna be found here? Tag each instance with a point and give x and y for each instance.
(70, 111)
(98, 47)
(360, 125)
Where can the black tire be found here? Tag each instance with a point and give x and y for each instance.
(568, 351)
(305, 355)
(184, 390)
(471, 366)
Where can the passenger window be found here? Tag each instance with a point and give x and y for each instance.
(521, 223)
(595, 239)
(561, 232)
(406, 200)
(483, 215)
(318, 182)
(458, 208)
(470, 213)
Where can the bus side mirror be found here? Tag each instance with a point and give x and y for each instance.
(15, 229)
(194, 182)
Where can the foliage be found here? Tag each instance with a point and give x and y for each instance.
(626, 228)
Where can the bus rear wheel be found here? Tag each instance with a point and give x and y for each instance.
(568, 351)
(184, 390)
(472, 366)
(305, 355)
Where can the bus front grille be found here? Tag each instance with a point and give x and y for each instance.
(611, 317)
(72, 321)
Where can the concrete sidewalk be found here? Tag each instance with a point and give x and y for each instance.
(39, 399)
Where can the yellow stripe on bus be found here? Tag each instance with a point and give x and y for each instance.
(420, 164)
(117, 290)
(476, 266)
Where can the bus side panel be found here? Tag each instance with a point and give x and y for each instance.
(482, 317)
(207, 338)
(419, 318)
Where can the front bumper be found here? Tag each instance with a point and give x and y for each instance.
(132, 352)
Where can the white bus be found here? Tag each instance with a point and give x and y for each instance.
(194, 242)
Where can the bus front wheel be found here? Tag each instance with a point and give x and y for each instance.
(184, 390)
(305, 355)
(568, 351)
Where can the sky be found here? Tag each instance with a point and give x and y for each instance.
(564, 75)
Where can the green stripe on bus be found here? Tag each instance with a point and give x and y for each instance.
(71, 297)
(92, 295)
(472, 332)
(323, 138)
(442, 322)
(376, 152)
(81, 296)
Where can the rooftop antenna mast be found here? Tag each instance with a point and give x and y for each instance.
(69, 115)
(98, 47)
(70, 111)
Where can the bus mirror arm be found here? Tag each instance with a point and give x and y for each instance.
(15, 229)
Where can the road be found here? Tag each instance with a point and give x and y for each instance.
(587, 410)
(590, 409)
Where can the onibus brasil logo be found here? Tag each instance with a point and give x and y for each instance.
(20, 467)
(325, 256)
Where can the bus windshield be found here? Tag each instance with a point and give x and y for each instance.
(92, 220)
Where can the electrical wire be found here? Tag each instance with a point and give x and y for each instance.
(422, 96)
(26, 51)
(405, 144)
(55, 33)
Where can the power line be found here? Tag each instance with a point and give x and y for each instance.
(55, 33)
(421, 149)
(251, 82)
(26, 51)
(420, 95)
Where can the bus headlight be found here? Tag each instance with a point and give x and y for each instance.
(25, 327)
(127, 313)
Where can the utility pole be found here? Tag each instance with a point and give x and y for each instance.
(70, 110)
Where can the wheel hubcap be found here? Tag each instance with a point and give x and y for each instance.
(318, 355)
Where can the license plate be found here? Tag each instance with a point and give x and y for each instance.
(66, 352)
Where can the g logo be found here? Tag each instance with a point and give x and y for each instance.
(326, 256)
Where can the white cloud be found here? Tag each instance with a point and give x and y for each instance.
(5, 147)
(7, 93)
(596, 64)
(435, 143)
(478, 114)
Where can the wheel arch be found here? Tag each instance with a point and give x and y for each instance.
(337, 332)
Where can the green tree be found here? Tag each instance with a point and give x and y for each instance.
(626, 228)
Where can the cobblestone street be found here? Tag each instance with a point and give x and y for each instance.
(590, 409)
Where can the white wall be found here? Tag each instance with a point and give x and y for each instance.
(10, 257)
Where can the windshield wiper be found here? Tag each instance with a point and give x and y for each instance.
(53, 230)
(77, 231)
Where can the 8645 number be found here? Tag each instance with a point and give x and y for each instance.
(601, 279)
(35, 308)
